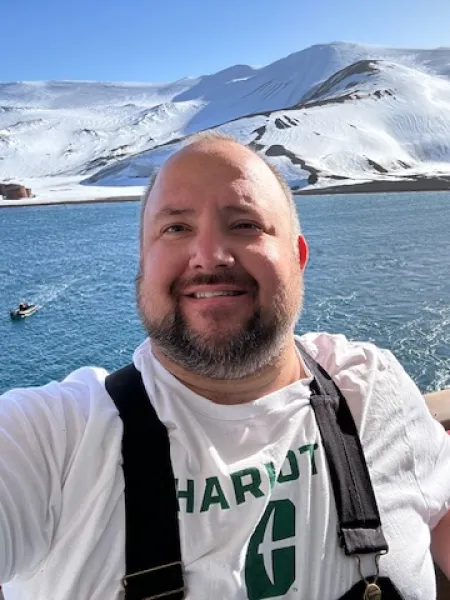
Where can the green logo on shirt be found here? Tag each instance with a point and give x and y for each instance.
(270, 560)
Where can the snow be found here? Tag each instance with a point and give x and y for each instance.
(342, 111)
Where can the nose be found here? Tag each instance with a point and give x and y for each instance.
(210, 251)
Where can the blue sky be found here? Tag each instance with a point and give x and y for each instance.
(164, 40)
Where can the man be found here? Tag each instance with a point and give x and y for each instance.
(220, 288)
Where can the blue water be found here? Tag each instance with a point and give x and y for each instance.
(379, 270)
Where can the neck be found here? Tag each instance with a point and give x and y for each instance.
(285, 370)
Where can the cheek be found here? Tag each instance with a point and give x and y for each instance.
(160, 268)
(270, 266)
(154, 290)
(277, 272)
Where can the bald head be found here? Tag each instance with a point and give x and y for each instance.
(203, 160)
(208, 156)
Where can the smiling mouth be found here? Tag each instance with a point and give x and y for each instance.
(200, 295)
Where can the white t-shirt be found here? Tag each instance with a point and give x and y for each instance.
(257, 517)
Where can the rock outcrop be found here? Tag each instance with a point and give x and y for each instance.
(14, 191)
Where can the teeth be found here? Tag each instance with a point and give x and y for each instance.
(214, 294)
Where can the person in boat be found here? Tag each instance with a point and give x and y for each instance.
(220, 288)
(23, 306)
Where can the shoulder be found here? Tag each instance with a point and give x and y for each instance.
(76, 388)
(339, 355)
(367, 375)
(59, 406)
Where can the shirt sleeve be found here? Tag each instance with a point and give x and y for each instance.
(41, 433)
(429, 445)
(32, 440)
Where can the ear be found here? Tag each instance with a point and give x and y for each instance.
(303, 252)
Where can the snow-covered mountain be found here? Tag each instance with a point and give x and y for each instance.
(329, 114)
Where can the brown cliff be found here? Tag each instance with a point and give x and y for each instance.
(14, 191)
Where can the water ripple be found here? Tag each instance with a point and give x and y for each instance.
(379, 270)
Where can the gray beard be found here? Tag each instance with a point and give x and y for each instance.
(257, 345)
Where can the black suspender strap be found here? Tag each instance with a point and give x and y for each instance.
(152, 551)
(360, 529)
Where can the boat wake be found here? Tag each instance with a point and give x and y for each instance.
(48, 293)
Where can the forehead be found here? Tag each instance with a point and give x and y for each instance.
(198, 180)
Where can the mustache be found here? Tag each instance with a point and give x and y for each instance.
(225, 277)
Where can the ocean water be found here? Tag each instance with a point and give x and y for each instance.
(379, 270)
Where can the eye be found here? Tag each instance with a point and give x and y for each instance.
(247, 225)
(176, 228)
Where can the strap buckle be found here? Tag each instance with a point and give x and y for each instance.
(372, 591)
(151, 570)
(377, 557)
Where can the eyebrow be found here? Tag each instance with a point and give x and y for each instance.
(239, 208)
(171, 211)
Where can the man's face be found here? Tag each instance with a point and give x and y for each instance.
(220, 284)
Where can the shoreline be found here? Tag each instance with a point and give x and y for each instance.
(383, 186)
(29, 201)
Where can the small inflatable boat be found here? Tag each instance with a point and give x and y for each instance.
(23, 310)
